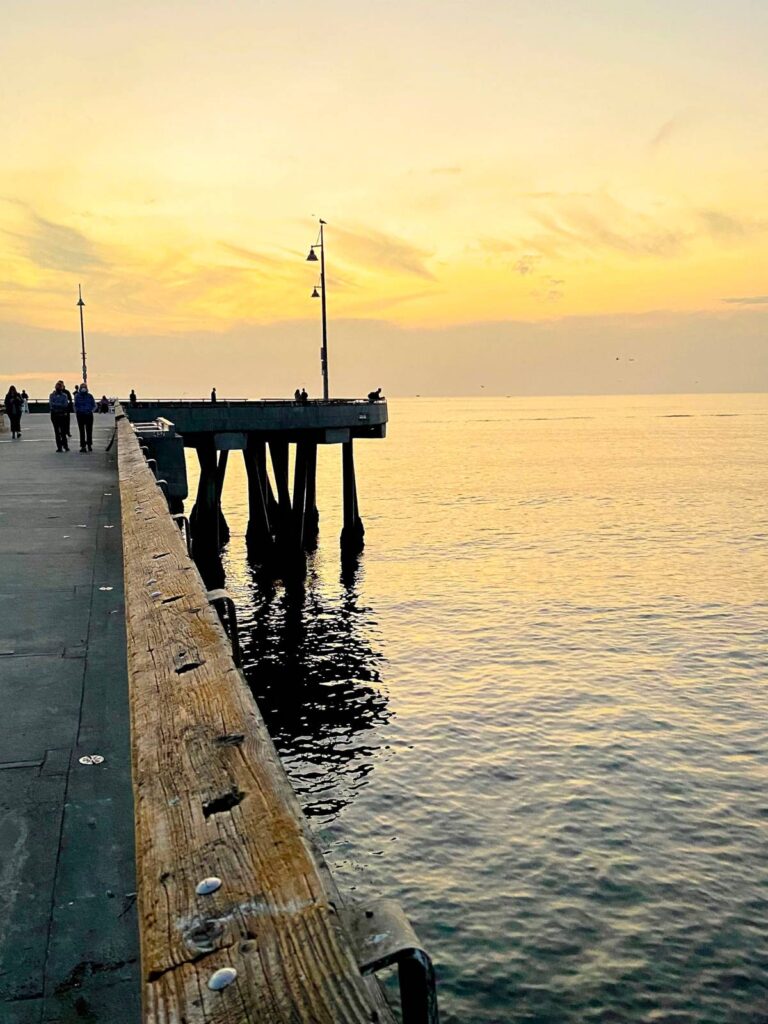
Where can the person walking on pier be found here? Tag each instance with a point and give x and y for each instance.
(304, 396)
(84, 406)
(24, 401)
(13, 408)
(70, 409)
(133, 399)
(58, 403)
(214, 399)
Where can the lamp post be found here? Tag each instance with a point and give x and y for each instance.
(82, 334)
(312, 258)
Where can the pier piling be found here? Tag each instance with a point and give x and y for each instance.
(259, 534)
(353, 530)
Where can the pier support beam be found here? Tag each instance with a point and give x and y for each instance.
(221, 472)
(204, 519)
(284, 524)
(299, 490)
(353, 530)
(311, 515)
(259, 534)
(304, 495)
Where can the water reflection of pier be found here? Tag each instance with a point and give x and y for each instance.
(313, 668)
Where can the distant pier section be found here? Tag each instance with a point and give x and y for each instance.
(333, 422)
(283, 521)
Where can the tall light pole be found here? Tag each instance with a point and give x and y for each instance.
(82, 334)
(312, 258)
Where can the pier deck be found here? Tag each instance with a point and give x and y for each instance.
(68, 930)
(107, 835)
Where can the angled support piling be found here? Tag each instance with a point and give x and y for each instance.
(259, 533)
(221, 472)
(284, 524)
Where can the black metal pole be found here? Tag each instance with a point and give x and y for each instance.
(324, 350)
(82, 333)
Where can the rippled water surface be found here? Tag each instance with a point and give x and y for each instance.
(536, 713)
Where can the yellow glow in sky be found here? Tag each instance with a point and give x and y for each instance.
(477, 162)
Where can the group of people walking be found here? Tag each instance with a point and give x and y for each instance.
(16, 404)
(62, 404)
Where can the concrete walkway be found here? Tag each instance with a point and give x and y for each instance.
(68, 936)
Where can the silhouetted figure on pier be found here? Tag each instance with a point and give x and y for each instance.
(84, 406)
(103, 404)
(304, 396)
(14, 408)
(375, 396)
(297, 395)
(24, 401)
(214, 399)
(58, 402)
(70, 409)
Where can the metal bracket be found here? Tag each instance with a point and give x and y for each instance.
(382, 936)
(225, 608)
(183, 524)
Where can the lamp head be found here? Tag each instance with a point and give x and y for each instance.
(312, 258)
(315, 293)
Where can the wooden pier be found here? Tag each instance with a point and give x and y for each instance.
(235, 912)
(281, 524)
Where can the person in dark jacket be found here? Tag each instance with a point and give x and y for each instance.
(70, 409)
(133, 399)
(13, 408)
(58, 403)
(84, 406)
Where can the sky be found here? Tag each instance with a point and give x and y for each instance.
(521, 197)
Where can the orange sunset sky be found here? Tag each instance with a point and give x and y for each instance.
(517, 193)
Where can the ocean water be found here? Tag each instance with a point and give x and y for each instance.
(536, 713)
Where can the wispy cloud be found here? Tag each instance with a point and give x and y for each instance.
(527, 264)
(524, 263)
(251, 256)
(605, 224)
(377, 250)
(748, 300)
(668, 130)
(727, 228)
(53, 246)
(552, 290)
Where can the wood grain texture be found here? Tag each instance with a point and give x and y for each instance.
(212, 798)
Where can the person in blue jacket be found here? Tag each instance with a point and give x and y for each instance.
(84, 406)
(58, 402)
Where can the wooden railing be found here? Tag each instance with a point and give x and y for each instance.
(212, 802)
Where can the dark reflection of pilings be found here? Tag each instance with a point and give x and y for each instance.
(313, 670)
(211, 569)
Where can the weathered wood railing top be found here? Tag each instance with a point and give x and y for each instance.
(212, 799)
